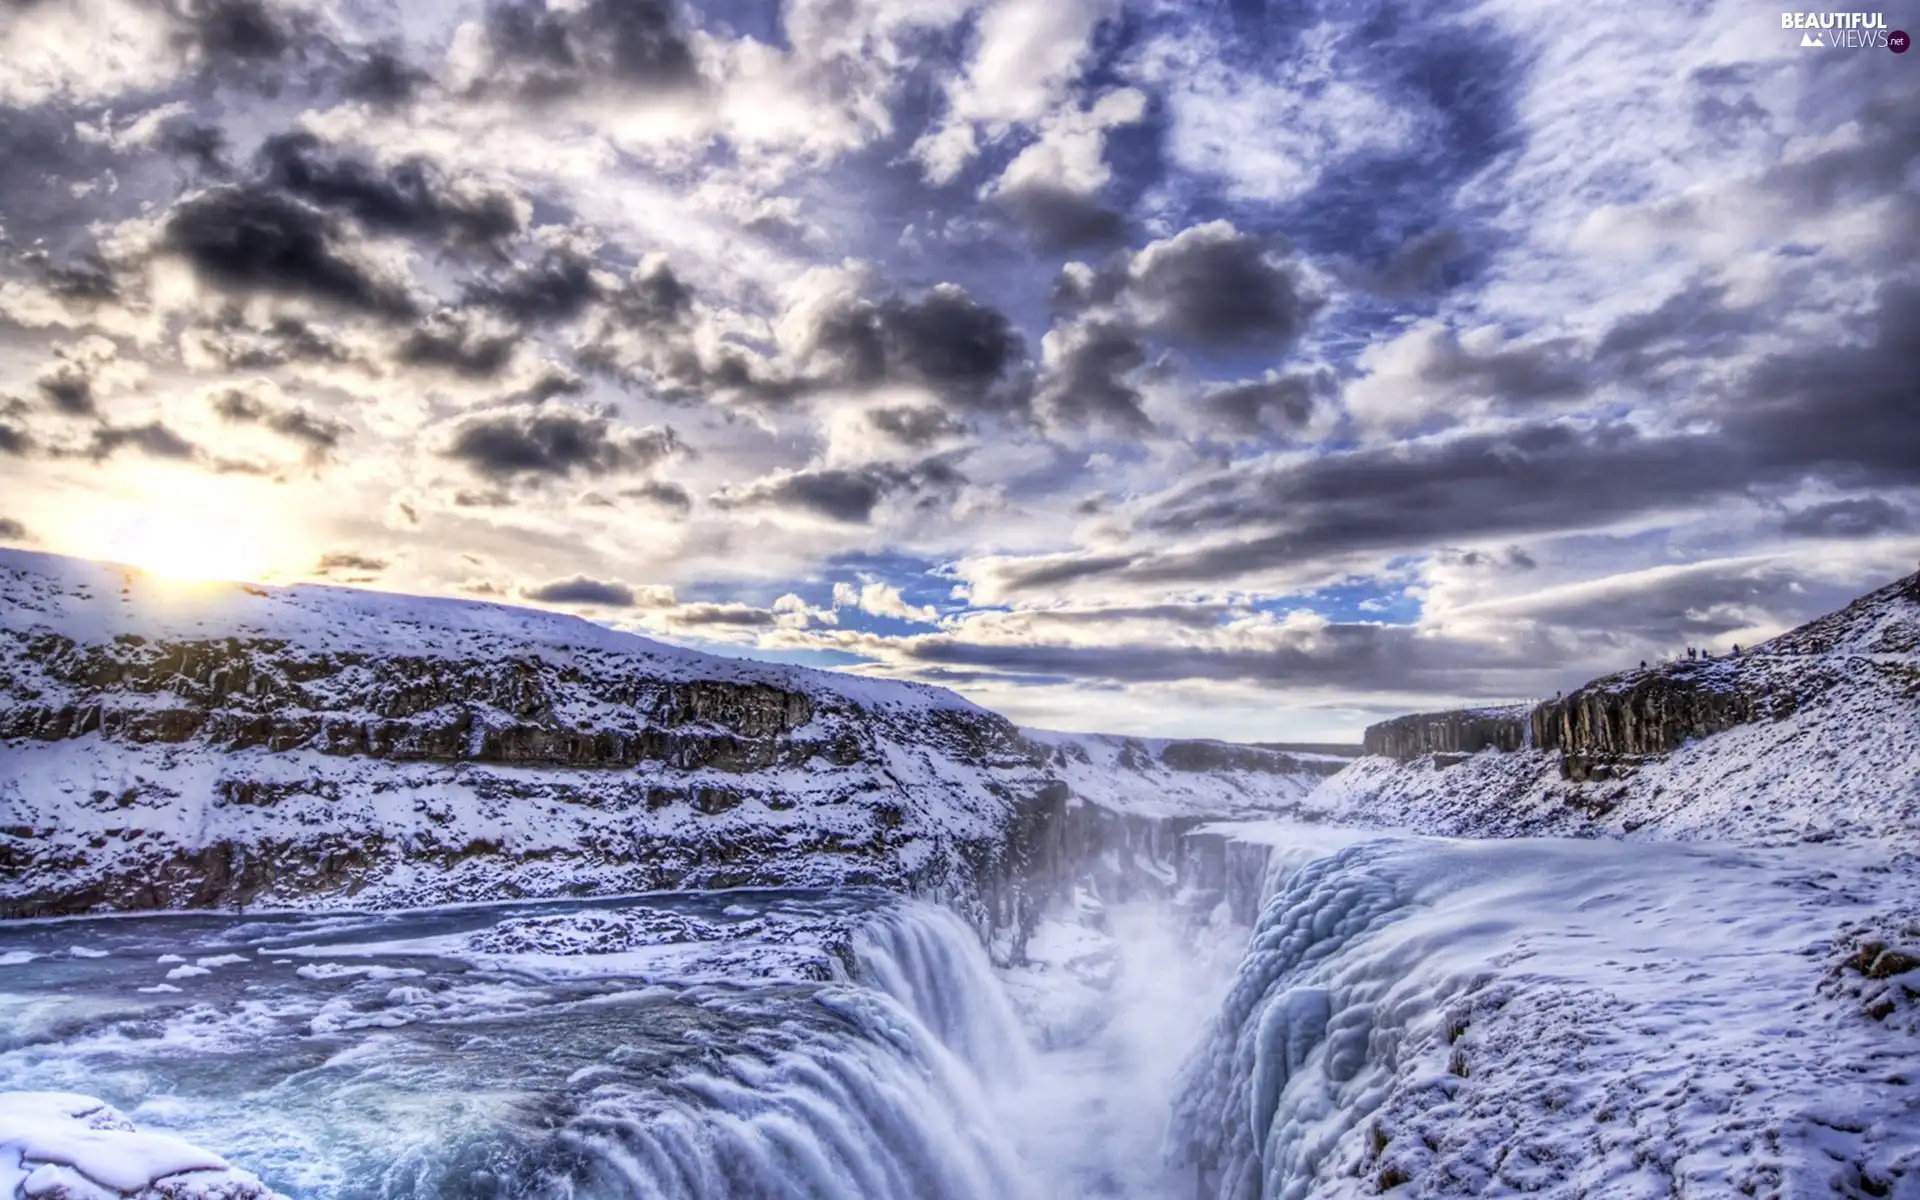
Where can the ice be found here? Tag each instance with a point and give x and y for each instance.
(68, 1145)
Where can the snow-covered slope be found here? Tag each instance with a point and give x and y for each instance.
(1814, 736)
(231, 745)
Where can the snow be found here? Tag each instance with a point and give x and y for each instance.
(78, 1148)
(1578, 1019)
(1838, 762)
(94, 602)
(187, 972)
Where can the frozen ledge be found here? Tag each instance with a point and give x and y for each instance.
(63, 1146)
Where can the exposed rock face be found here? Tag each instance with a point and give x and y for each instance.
(1611, 725)
(1814, 735)
(1464, 731)
(235, 747)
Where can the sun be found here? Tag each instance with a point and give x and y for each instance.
(188, 549)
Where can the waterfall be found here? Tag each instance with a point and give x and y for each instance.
(874, 1108)
(926, 958)
(880, 1090)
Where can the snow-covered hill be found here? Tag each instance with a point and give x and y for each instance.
(1813, 736)
(232, 745)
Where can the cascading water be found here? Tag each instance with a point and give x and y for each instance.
(777, 1046)
(926, 958)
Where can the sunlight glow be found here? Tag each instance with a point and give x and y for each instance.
(189, 549)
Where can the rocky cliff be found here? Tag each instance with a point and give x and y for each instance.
(1813, 734)
(1461, 732)
(229, 746)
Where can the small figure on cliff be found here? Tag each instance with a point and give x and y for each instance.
(1643, 664)
(1736, 649)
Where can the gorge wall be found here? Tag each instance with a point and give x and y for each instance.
(1814, 734)
(238, 747)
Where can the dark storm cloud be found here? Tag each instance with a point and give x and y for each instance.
(1851, 412)
(1214, 286)
(1514, 378)
(1263, 407)
(200, 144)
(252, 238)
(912, 426)
(349, 560)
(581, 590)
(739, 616)
(1692, 324)
(12, 530)
(15, 440)
(963, 351)
(1345, 656)
(68, 389)
(546, 51)
(383, 78)
(236, 346)
(152, 439)
(317, 433)
(670, 496)
(1091, 378)
(1060, 219)
(847, 496)
(556, 443)
(457, 343)
(234, 29)
(559, 287)
(413, 197)
(1847, 519)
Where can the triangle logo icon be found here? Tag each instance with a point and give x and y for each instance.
(1813, 39)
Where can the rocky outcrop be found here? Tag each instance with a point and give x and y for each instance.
(1610, 726)
(1463, 731)
(1812, 736)
(311, 747)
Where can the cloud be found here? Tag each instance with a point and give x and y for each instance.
(1273, 406)
(1433, 374)
(558, 288)
(1090, 376)
(241, 407)
(1212, 285)
(349, 560)
(839, 495)
(1415, 266)
(1861, 517)
(13, 531)
(962, 351)
(413, 196)
(152, 439)
(250, 238)
(880, 599)
(668, 496)
(463, 342)
(556, 442)
(584, 591)
(545, 51)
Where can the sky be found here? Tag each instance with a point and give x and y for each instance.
(1232, 369)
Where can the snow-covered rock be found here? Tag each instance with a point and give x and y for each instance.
(62, 1146)
(1813, 736)
(231, 746)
